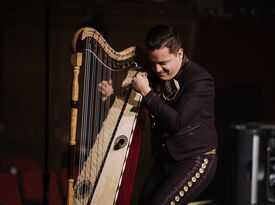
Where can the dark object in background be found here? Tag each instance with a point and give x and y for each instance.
(251, 171)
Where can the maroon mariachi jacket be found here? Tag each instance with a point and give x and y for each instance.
(184, 124)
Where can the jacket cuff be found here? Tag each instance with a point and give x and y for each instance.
(146, 100)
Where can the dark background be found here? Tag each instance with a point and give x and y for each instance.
(234, 40)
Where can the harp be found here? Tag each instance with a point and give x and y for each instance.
(102, 135)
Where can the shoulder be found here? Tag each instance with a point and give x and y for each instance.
(195, 72)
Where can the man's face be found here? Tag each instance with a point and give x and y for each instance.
(165, 64)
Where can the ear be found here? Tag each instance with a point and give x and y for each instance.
(180, 53)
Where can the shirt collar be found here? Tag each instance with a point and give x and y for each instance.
(184, 66)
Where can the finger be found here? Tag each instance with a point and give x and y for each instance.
(104, 83)
(140, 73)
(137, 74)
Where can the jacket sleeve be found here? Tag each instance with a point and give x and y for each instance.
(193, 98)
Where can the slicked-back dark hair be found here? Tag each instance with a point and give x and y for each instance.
(163, 36)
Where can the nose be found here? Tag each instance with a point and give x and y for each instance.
(158, 68)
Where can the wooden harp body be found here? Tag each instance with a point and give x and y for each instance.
(100, 133)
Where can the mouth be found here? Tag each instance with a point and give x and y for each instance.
(161, 74)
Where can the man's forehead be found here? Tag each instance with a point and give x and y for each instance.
(160, 56)
(159, 60)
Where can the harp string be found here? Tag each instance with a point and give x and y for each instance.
(96, 122)
(87, 111)
(94, 110)
(84, 115)
(103, 106)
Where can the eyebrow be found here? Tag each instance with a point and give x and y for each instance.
(160, 62)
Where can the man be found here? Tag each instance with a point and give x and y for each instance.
(180, 99)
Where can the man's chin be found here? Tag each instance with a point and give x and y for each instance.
(164, 78)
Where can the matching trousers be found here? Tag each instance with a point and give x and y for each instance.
(173, 182)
